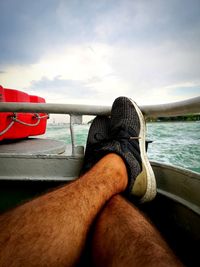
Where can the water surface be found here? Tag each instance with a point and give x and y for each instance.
(176, 143)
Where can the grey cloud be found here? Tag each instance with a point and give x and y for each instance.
(151, 21)
(192, 90)
(70, 88)
(30, 28)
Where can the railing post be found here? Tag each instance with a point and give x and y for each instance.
(76, 150)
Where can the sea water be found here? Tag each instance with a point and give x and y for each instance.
(175, 143)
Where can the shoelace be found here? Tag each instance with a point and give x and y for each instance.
(124, 132)
(118, 133)
(125, 135)
(128, 139)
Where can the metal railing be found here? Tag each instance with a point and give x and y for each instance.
(172, 109)
(190, 106)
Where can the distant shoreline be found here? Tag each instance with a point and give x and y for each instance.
(171, 121)
(187, 118)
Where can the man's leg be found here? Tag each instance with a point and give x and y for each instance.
(52, 229)
(124, 237)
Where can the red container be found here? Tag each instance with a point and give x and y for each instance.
(24, 126)
(3, 115)
(18, 130)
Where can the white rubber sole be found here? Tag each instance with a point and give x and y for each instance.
(145, 183)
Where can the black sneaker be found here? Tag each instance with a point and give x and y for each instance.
(98, 137)
(128, 133)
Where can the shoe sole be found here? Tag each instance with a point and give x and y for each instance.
(145, 183)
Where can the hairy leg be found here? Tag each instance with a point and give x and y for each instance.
(52, 229)
(124, 237)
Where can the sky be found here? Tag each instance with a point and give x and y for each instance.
(92, 51)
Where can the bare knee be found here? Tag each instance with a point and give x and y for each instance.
(124, 237)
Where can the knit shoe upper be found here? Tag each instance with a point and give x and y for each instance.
(98, 136)
(127, 120)
(124, 137)
(123, 134)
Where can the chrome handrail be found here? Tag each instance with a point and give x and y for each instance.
(190, 106)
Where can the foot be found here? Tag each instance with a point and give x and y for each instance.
(97, 138)
(123, 134)
(128, 131)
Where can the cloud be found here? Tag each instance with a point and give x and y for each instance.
(158, 65)
(186, 90)
(68, 88)
(81, 50)
(22, 38)
(98, 73)
(147, 22)
(30, 29)
(74, 66)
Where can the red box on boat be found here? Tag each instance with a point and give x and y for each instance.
(20, 125)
